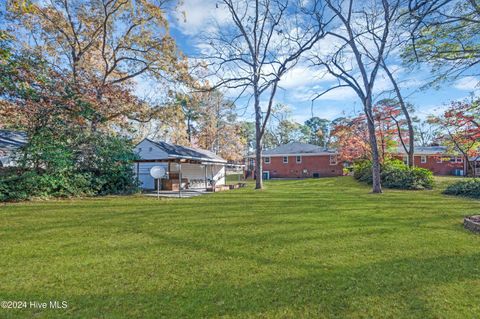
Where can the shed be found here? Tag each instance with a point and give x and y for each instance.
(196, 168)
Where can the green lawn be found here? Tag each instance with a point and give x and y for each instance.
(322, 248)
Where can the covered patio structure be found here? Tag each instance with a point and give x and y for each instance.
(186, 168)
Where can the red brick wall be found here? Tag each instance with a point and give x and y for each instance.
(444, 168)
(313, 164)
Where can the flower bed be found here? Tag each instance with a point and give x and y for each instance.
(472, 223)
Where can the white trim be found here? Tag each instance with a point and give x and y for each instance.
(285, 157)
(423, 159)
(265, 160)
(334, 156)
(298, 157)
(198, 159)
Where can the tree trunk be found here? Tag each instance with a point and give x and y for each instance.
(96, 117)
(376, 181)
(469, 168)
(411, 133)
(258, 146)
(189, 131)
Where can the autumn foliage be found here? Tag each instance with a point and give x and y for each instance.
(350, 135)
(459, 128)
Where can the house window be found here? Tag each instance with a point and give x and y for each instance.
(285, 159)
(459, 160)
(139, 149)
(150, 149)
(333, 159)
(299, 159)
(452, 159)
(267, 160)
(439, 160)
(423, 159)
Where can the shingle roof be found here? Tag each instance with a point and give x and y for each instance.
(426, 150)
(10, 140)
(180, 151)
(298, 148)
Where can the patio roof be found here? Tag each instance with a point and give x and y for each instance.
(188, 153)
(10, 140)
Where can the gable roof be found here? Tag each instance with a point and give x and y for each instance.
(426, 150)
(179, 151)
(297, 148)
(11, 140)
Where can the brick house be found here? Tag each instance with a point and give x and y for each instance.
(436, 159)
(297, 160)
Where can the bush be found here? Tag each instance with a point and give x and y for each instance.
(467, 188)
(53, 164)
(362, 171)
(13, 189)
(395, 174)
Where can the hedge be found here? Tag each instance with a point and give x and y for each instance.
(395, 174)
(56, 164)
(467, 188)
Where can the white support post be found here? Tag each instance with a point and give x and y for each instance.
(206, 180)
(179, 179)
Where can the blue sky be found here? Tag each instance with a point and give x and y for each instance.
(196, 17)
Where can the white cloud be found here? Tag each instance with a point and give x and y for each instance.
(303, 76)
(468, 83)
(307, 93)
(328, 112)
(200, 16)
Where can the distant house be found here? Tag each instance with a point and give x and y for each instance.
(196, 168)
(475, 160)
(298, 160)
(435, 158)
(10, 141)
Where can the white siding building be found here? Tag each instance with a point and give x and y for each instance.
(197, 168)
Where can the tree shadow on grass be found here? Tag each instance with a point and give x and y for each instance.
(394, 288)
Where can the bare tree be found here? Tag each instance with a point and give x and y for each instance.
(362, 35)
(264, 39)
(397, 40)
(410, 150)
(426, 133)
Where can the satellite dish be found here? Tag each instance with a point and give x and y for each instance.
(157, 172)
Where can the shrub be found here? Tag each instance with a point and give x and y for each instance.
(467, 188)
(362, 171)
(70, 164)
(13, 188)
(395, 174)
(110, 165)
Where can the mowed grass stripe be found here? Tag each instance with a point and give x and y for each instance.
(322, 248)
